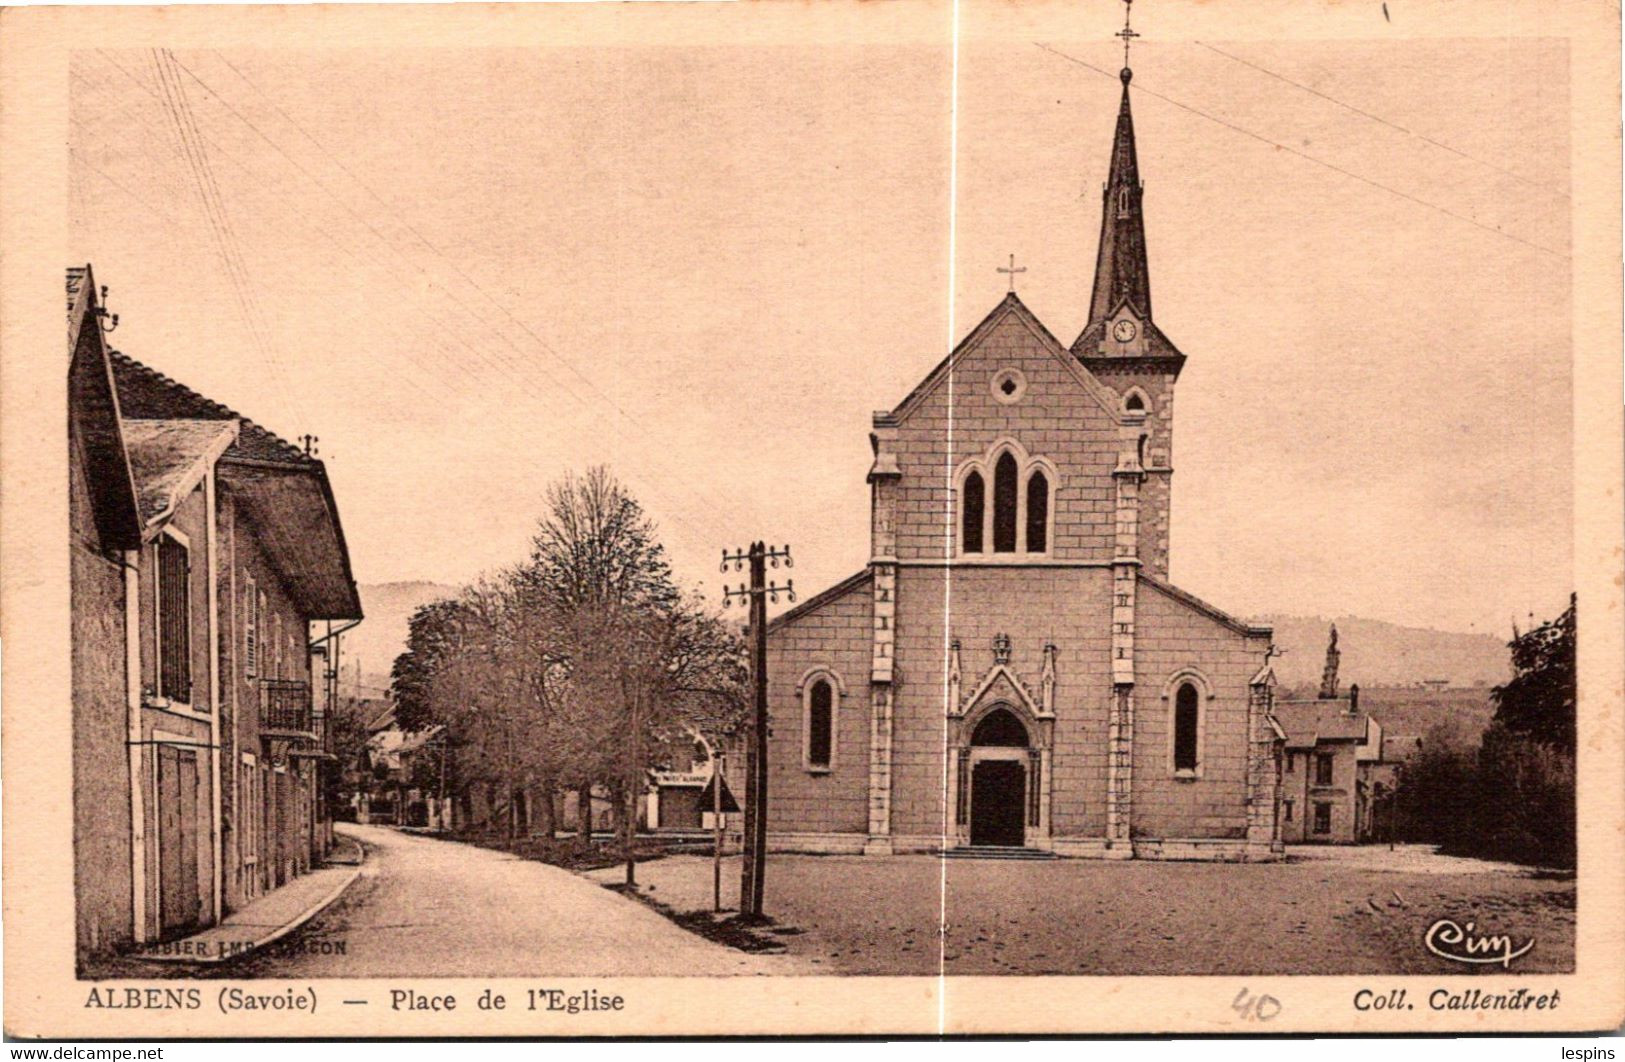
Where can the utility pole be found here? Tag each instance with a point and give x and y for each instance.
(717, 760)
(757, 594)
(634, 780)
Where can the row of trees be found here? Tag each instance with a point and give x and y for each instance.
(583, 666)
(1513, 795)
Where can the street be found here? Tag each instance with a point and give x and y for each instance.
(433, 908)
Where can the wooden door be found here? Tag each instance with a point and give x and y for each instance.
(998, 803)
(178, 899)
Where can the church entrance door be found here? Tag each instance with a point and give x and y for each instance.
(998, 803)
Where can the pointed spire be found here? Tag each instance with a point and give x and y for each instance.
(1328, 678)
(1120, 267)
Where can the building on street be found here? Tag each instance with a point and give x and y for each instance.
(204, 547)
(1338, 768)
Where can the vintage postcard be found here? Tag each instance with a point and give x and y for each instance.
(674, 519)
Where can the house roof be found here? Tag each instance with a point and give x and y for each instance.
(147, 394)
(282, 490)
(78, 278)
(93, 405)
(170, 457)
(1312, 722)
(384, 719)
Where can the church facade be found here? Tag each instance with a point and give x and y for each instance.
(1013, 669)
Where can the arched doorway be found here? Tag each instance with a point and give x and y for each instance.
(999, 785)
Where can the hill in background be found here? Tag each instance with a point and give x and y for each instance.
(1375, 653)
(1414, 712)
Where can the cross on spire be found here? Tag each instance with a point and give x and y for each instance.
(1127, 33)
(1011, 271)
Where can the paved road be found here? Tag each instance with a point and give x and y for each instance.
(432, 908)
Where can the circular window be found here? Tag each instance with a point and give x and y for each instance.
(1009, 385)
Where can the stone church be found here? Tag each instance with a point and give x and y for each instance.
(1013, 668)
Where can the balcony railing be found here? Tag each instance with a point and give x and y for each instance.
(285, 707)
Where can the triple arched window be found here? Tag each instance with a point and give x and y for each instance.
(1004, 503)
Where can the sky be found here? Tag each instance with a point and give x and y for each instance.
(467, 271)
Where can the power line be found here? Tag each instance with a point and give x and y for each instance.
(515, 369)
(676, 512)
(300, 214)
(433, 249)
(1381, 120)
(1308, 157)
(230, 246)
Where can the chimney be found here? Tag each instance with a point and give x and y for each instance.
(1354, 699)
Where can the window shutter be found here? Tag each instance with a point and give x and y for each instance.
(174, 622)
(251, 623)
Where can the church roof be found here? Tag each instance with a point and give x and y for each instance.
(1010, 305)
(1157, 345)
(1194, 602)
(818, 601)
(1122, 275)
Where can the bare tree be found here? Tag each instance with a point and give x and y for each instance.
(582, 667)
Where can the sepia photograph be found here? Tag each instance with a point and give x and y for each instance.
(561, 502)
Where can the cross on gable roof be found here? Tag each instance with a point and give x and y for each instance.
(1010, 305)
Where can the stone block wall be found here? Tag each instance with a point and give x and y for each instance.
(1055, 417)
(1172, 637)
(836, 635)
(1067, 607)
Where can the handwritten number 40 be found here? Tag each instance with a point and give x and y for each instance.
(1255, 1008)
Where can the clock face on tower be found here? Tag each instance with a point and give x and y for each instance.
(1123, 331)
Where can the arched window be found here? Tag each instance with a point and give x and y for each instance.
(820, 724)
(1186, 722)
(1037, 512)
(1134, 403)
(1004, 503)
(971, 512)
(1007, 501)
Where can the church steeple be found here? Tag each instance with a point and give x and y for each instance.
(1120, 265)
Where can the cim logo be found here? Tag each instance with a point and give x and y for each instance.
(1458, 943)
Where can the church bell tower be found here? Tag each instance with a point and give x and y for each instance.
(1121, 343)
